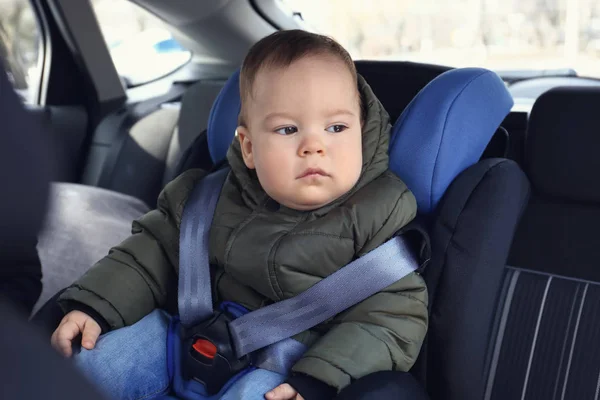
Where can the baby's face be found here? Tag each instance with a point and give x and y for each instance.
(303, 132)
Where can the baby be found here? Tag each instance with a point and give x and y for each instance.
(309, 191)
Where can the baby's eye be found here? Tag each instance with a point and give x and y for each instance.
(336, 128)
(288, 130)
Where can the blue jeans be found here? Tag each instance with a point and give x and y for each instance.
(131, 364)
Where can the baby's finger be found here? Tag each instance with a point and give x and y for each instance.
(91, 331)
(53, 340)
(64, 337)
(281, 392)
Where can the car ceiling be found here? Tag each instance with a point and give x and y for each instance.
(214, 30)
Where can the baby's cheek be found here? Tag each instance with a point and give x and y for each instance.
(273, 175)
(273, 167)
(351, 167)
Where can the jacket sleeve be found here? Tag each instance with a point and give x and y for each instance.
(383, 332)
(140, 274)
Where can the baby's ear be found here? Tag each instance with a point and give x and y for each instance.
(246, 144)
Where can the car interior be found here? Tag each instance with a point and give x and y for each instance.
(514, 291)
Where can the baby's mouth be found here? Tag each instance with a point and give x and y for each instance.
(312, 172)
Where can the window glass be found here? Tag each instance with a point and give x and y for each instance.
(21, 47)
(141, 45)
(496, 34)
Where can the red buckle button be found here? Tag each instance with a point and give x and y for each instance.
(205, 348)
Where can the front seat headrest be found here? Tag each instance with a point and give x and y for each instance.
(443, 131)
(396, 83)
(563, 138)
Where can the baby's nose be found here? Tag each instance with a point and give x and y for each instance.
(312, 145)
(308, 151)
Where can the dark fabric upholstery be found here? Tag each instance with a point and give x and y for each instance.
(26, 167)
(516, 125)
(396, 83)
(470, 240)
(31, 369)
(546, 342)
(559, 238)
(562, 144)
(546, 347)
(559, 231)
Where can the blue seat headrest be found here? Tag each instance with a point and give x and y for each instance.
(223, 119)
(443, 131)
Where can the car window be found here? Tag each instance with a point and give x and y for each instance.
(496, 34)
(140, 44)
(21, 47)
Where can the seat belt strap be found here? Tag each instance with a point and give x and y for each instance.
(279, 357)
(346, 287)
(122, 122)
(194, 291)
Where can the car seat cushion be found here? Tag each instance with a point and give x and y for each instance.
(445, 129)
(223, 119)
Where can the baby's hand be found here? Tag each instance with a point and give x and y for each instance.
(71, 325)
(283, 392)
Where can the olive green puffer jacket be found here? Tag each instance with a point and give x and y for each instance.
(263, 252)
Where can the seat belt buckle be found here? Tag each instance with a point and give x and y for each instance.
(209, 356)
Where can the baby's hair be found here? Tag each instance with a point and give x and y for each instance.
(280, 50)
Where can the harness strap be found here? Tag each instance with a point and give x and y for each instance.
(330, 296)
(279, 357)
(194, 291)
